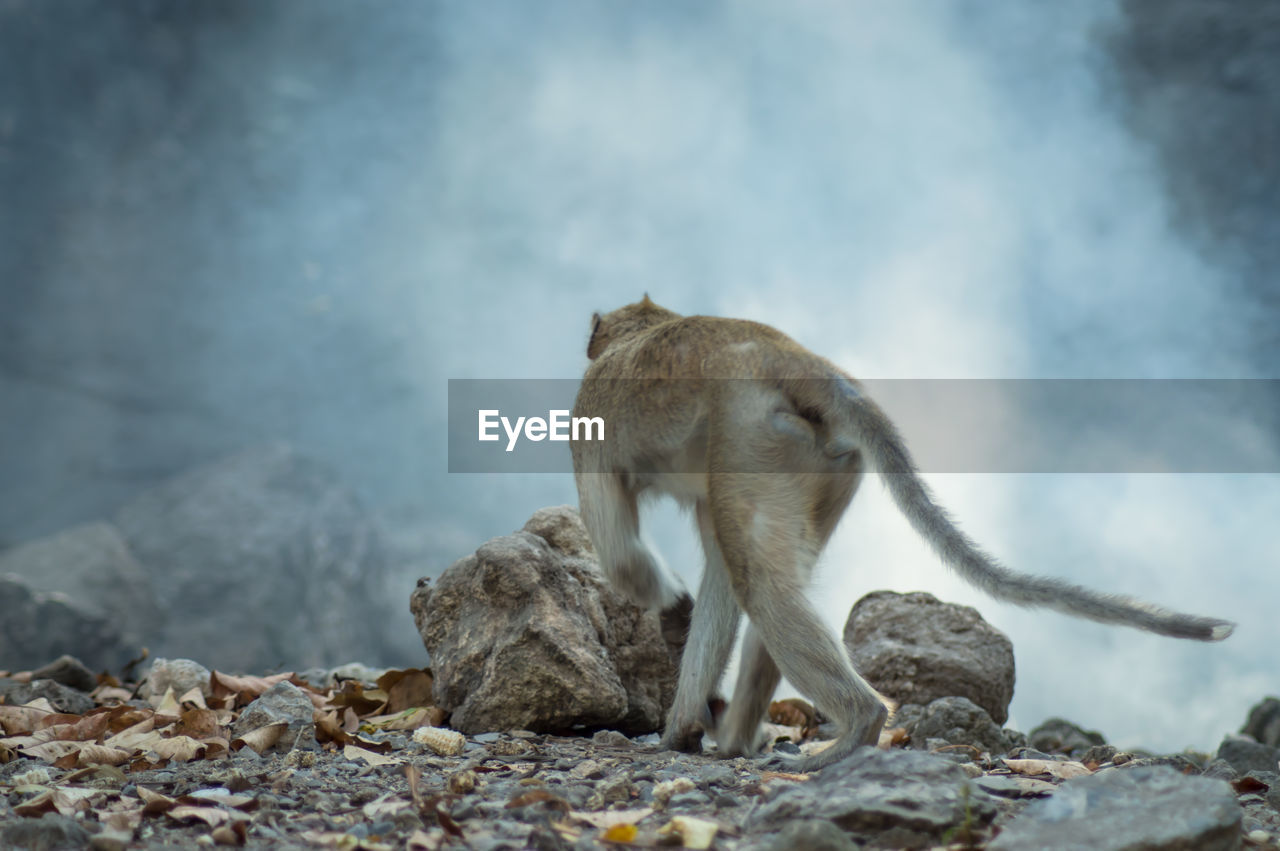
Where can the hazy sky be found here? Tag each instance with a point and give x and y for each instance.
(321, 213)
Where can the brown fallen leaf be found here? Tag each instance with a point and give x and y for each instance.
(261, 739)
(329, 728)
(166, 705)
(180, 748)
(246, 689)
(193, 698)
(690, 832)
(793, 712)
(212, 816)
(65, 800)
(197, 723)
(234, 833)
(155, 802)
(363, 702)
(406, 689)
(90, 755)
(355, 752)
(410, 719)
(20, 720)
(50, 751)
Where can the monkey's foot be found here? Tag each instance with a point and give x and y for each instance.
(674, 621)
(687, 740)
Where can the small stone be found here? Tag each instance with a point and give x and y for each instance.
(282, 702)
(664, 791)
(611, 738)
(462, 782)
(181, 675)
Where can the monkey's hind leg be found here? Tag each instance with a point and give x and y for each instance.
(706, 654)
(758, 677)
(770, 545)
(612, 518)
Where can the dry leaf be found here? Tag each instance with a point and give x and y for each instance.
(91, 755)
(793, 712)
(245, 689)
(690, 832)
(155, 802)
(406, 689)
(195, 697)
(261, 739)
(353, 695)
(235, 833)
(50, 751)
(212, 816)
(329, 728)
(423, 841)
(354, 752)
(124, 821)
(198, 724)
(179, 748)
(1052, 767)
(166, 705)
(384, 805)
(410, 719)
(610, 818)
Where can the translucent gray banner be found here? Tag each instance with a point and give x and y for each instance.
(950, 426)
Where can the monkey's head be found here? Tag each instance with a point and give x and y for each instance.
(624, 322)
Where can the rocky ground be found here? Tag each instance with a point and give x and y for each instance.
(533, 728)
(318, 761)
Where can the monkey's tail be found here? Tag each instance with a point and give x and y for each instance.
(879, 438)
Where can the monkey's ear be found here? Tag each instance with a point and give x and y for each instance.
(646, 301)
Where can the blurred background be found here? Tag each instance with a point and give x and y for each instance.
(237, 226)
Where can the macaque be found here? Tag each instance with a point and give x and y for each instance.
(767, 443)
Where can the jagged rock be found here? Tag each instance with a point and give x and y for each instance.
(68, 671)
(62, 698)
(282, 702)
(1263, 723)
(1100, 812)
(959, 721)
(897, 799)
(916, 649)
(1246, 755)
(1057, 735)
(261, 559)
(526, 633)
(181, 675)
(79, 592)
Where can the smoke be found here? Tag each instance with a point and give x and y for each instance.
(244, 221)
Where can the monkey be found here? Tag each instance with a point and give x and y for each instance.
(767, 443)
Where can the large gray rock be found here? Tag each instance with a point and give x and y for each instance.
(1263, 723)
(282, 703)
(894, 799)
(262, 559)
(959, 721)
(1135, 810)
(1245, 755)
(526, 633)
(79, 592)
(915, 649)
